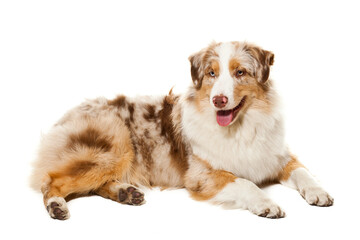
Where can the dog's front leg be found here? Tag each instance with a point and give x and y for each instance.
(218, 186)
(295, 175)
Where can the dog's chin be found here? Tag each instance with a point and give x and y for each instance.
(227, 117)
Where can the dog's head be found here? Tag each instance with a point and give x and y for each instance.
(231, 77)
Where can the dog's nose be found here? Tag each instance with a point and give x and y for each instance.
(220, 101)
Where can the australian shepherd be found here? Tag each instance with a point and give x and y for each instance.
(220, 140)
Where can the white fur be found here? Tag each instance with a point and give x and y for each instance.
(224, 85)
(308, 187)
(245, 194)
(254, 150)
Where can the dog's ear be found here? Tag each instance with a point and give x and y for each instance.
(197, 68)
(264, 60)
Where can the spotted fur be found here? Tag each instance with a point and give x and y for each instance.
(113, 147)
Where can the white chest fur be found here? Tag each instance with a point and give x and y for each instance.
(252, 148)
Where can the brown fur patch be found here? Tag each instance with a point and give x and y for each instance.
(145, 148)
(119, 101)
(199, 62)
(209, 62)
(234, 64)
(90, 138)
(213, 66)
(195, 74)
(143, 144)
(256, 96)
(80, 168)
(178, 151)
(127, 122)
(202, 97)
(107, 190)
(264, 58)
(206, 182)
(290, 166)
(150, 114)
(131, 108)
(147, 133)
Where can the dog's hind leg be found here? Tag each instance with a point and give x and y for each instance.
(54, 201)
(78, 177)
(89, 161)
(121, 192)
(82, 177)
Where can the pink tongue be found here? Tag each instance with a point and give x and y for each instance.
(224, 118)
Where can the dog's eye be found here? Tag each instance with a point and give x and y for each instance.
(212, 73)
(240, 73)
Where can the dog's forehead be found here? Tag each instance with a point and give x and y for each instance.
(226, 52)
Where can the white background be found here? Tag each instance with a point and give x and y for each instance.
(54, 54)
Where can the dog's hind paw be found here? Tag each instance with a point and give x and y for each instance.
(130, 195)
(57, 208)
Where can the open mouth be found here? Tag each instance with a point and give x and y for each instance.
(225, 117)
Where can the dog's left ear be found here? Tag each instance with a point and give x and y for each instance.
(264, 59)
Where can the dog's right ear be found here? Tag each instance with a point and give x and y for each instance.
(197, 68)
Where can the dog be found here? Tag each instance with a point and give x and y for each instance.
(220, 140)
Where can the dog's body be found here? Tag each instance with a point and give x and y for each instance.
(217, 140)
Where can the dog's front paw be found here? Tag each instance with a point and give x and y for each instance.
(267, 208)
(317, 196)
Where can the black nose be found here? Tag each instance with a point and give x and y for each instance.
(220, 101)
